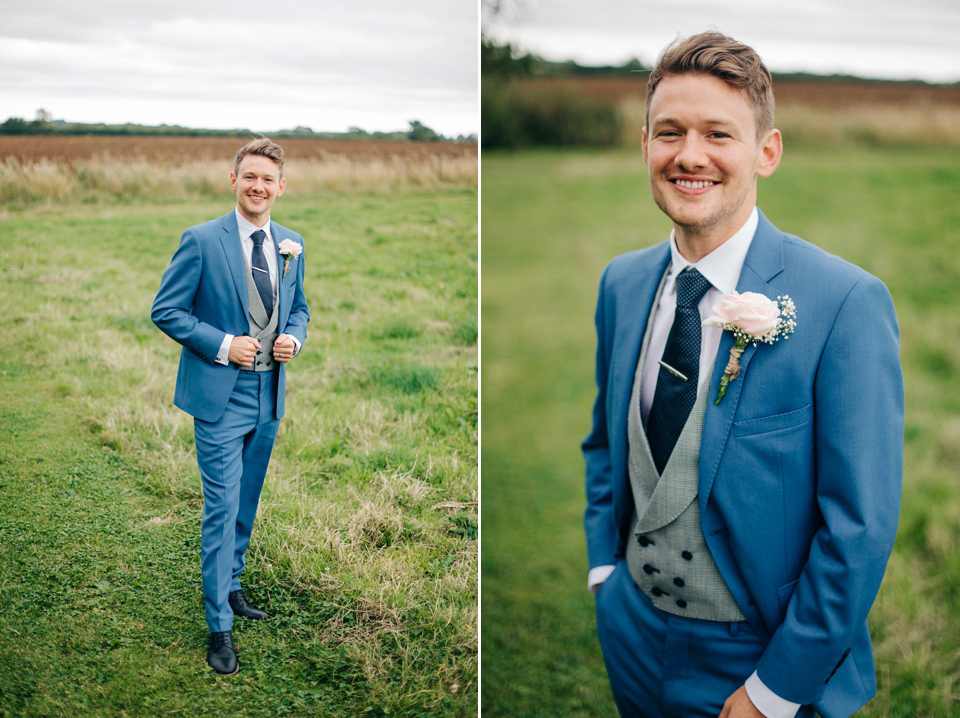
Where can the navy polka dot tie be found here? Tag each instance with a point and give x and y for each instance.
(675, 395)
(261, 271)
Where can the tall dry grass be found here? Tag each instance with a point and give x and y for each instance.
(878, 125)
(105, 178)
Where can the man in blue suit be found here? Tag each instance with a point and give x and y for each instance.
(736, 544)
(233, 297)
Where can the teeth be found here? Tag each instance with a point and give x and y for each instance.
(699, 184)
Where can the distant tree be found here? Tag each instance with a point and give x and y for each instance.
(15, 126)
(44, 117)
(503, 61)
(419, 132)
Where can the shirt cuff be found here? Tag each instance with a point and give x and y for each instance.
(597, 575)
(768, 702)
(224, 353)
(297, 342)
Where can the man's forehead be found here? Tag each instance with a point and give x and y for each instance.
(709, 98)
(259, 165)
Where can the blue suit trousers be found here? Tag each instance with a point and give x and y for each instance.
(666, 666)
(233, 453)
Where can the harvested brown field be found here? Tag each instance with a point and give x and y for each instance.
(827, 93)
(826, 111)
(182, 150)
(68, 169)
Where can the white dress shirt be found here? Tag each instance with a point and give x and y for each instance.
(722, 269)
(247, 228)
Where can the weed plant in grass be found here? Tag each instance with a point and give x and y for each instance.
(551, 221)
(365, 551)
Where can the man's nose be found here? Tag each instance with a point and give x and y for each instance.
(692, 154)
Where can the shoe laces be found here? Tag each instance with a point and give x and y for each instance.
(224, 638)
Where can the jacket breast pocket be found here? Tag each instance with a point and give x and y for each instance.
(774, 422)
(766, 481)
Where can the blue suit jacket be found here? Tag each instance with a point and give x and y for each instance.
(203, 297)
(800, 464)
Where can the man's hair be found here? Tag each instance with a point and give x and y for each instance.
(712, 53)
(260, 146)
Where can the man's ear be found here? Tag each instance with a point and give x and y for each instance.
(233, 182)
(643, 144)
(771, 149)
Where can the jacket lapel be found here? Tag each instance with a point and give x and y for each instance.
(764, 261)
(230, 239)
(283, 298)
(633, 312)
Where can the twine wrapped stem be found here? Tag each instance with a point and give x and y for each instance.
(732, 370)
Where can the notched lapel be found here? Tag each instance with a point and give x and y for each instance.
(284, 286)
(635, 295)
(230, 239)
(764, 261)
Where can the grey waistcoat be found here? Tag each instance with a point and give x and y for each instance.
(262, 327)
(667, 555)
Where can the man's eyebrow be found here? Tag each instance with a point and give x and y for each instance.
(672, 121)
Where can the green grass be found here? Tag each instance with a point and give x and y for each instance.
(365, 551)
(551, 221)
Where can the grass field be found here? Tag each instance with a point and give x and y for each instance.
(551, 221)
(365, 552)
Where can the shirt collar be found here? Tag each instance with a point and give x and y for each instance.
(246, 227)
(723, 265)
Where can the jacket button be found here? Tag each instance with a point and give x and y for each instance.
(681, 603)
(644, 541)
(678, 582)
(648, 569)
(686, 556)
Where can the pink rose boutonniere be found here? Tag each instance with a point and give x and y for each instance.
(290, 250)
(752, 318)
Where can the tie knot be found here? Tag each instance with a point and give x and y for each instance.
(691, 286)
(258, 237)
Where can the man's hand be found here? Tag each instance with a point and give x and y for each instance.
(739, 705)
(284, 348)
(243, 350)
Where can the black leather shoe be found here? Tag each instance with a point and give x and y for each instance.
(221, 656)
(241, 608)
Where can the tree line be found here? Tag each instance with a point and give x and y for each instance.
(44, 124)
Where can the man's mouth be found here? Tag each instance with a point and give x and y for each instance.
(694, 184)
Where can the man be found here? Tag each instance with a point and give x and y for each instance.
(237, 306)
(736, 546)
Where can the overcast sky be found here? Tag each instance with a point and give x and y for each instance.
(893, 39)
(268, 65)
